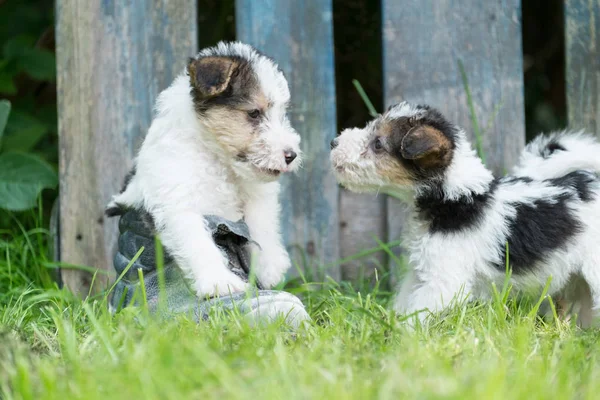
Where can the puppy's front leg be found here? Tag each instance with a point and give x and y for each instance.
(262, 216)
(187, 238)
(425, 295)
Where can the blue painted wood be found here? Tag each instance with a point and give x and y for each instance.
(423, 41)
(299, 36)
(113, 58)
(582, 38)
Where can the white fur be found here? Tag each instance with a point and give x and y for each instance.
(583, 153)
(443, 265)
(182, 174)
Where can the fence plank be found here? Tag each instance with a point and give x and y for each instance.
(582, 30)
(423, 41)
(362, 218)
(299, 36)
(113, 58)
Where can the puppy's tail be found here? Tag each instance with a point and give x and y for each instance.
(558, 154)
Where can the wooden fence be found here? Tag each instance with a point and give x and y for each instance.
(115, 57)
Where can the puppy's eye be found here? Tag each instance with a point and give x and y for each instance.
(377, 145)
(254, 114)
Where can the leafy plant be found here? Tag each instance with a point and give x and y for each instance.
(28, 117)
(22, 176)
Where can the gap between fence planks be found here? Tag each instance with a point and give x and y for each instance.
(113, 59)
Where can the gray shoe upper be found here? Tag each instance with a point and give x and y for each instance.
(137, 229)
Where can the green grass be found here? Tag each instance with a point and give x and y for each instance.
(53, 346)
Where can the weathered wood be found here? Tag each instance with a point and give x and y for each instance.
(582, 38)
(299, 36)
(113, 58)
(362, 219)
(423, 41)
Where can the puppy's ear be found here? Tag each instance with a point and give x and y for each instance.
(427, 147)
(211, 75)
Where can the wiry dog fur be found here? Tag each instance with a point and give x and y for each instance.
(218, 142)
(462, 218)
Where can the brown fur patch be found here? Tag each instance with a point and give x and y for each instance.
(231, 127)
(386, 163)
(392, 170)
(427, 147)
(211, 75)
(225, 90)
(261, 102)
(387, 128)
(410, 148)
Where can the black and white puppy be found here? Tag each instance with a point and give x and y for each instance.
(463, 219)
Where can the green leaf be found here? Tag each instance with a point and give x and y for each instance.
(25, 139)
(23, 131)
(40, 64)
(48, 116)
(4, 111)
(16, 46)
(22, 178)
(7, 86)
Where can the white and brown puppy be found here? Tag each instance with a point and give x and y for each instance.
(219, 141)
(463, 219)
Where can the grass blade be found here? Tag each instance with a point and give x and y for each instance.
(160, 270)
(471, 105)
(101, 334)
(133, 260)
(365, 98)
(143, 288)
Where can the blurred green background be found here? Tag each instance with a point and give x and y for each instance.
(27, 67)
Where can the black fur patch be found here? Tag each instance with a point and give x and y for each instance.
(447, 216)
(581, 181)
(128, 179)
(138, 221)
(537, 230)
(115, 211)
(552, 147)
(547, 225)
(120, 209)
(514, 179)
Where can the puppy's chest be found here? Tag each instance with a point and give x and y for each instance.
(434, 251)
(224, 198)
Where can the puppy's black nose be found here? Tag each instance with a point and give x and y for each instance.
(289, 156)
(333, 143)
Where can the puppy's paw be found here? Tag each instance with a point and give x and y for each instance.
(272, 266)
(222, 283)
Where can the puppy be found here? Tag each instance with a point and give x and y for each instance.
(219, 141)
(463, 219)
